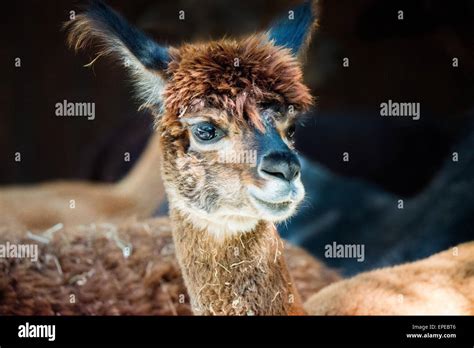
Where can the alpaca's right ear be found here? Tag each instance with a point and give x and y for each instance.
(294, 29)
(112, 35)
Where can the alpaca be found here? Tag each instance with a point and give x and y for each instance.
(138, 194)
(243, 97)
(442, 284)
(210, 100)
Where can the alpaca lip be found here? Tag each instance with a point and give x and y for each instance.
(272, 206)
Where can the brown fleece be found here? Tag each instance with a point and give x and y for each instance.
(87, 261)
(442, 284)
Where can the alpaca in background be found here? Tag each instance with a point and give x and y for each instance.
(41, 206)
(352, 211)
(126, 268)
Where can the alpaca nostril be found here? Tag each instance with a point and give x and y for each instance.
(282, 165)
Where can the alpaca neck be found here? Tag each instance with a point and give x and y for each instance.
(240, 274)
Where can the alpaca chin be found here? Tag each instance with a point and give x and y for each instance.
(222, 224)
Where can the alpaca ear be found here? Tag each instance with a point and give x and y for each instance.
(294, 30)
(111, 34)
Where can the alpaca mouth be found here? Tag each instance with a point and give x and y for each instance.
(274, 208)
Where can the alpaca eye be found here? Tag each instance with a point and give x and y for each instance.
(290, 132)
(206, 132)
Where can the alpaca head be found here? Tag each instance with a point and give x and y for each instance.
(226, 113)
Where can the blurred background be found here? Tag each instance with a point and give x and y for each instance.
(409, 60)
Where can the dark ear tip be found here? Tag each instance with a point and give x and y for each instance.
(293, 29)
(95, 3)
(103, 24)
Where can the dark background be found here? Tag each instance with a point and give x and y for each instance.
(406, 61)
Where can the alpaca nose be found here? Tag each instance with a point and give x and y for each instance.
(282, 164)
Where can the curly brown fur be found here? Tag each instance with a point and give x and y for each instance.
(87, 261)
(233, 75)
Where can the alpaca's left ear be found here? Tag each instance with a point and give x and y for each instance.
(294, 30)
(111, 34)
